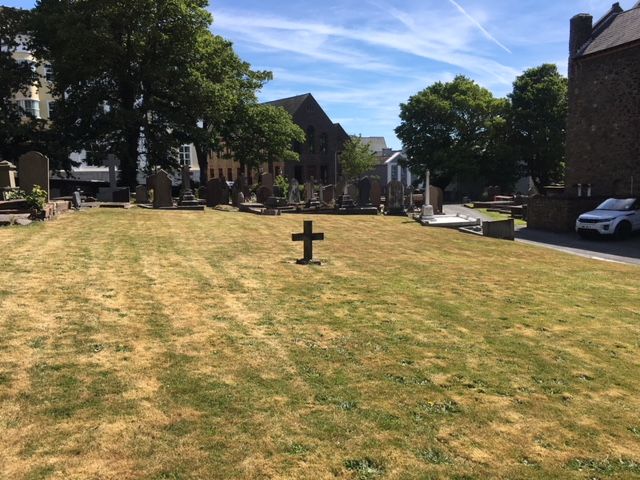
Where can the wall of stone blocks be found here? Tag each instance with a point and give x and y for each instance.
(603, 129)
(558, 214)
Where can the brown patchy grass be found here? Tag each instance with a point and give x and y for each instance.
(140, 344)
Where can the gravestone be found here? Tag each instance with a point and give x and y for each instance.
(263, 193)
(376, 193)
(76, 200)
(235, 191)
(341, 188)
(328, 194)
(214, 192)
(162, 190)
(308, 237)
(7, 175)
(142, 195)
(224, 192)
(308, 191)
(352, 191)
(33, 169)
(294, 191)
(436, 195)
(266, 180)
(202, 193)
(364, 192)
(187, 198)
(112, 193)
(395, 198)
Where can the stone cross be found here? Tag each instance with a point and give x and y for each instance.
(427, 209)
(112, 162)
(308, 237)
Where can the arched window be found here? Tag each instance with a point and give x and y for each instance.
(311, 139)
(324, 143)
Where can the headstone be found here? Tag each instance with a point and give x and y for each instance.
(76, 200)
(376, 192)
(7, 175)
(162, 190)
(214, 192)
(266, 180)
(352, 190)
(121, 195)
(224, 195)
(294, 191)
(328, 194)
(308, 191)
(107, 194)
(202, 193)
(364, 192)
(263, 193)
(240, 198)
(308, 237)
(235, 190)
(341, 188)
(437, 199)
(33, 169)
(395, 198)
(142, 195)
(187, 198)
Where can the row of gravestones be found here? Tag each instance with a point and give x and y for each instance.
(33, 169)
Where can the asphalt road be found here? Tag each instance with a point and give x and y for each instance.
(605, 249)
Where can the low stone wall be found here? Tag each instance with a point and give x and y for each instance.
(502, 229)
(558, 214)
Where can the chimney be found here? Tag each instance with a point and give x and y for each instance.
(581, 29)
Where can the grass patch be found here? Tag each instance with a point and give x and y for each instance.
(502, 216)
(186, 345)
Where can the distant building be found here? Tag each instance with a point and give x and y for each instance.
(319, 154)
(603, 147)
(389, 162)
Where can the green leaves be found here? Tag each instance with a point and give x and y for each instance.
(356, 158)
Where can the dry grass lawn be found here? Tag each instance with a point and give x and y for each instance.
(176, 345)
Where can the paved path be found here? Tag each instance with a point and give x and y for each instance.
(605, 249)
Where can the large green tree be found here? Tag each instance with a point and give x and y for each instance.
(447, 128)
(263, 134)
(538, 119)
(17, 126)
(139, 77)
(356, 158)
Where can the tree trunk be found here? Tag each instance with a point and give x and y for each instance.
(129, 160)
(203, 163)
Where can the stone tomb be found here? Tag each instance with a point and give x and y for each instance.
(7, 175)
(395, 199)
(33, 169)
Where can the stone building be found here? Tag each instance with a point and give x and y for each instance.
(603, 125)
(319, 155)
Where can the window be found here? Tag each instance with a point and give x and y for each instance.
(185, 155)
(31, 107)
(48, 72)
(239, 172)
(296, 146)
(51, 106)
(212, 172)
(324, 143)
(220, 173)
(229, 174)
(311, 139)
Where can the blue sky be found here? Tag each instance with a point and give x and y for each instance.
(361, 59)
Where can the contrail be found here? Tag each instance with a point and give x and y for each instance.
(477, 24)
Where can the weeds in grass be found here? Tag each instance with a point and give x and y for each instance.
(365, 468)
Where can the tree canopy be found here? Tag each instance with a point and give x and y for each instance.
(356, 158)
(538, 115)
(137, 78)
(263, 134)
(448, 129)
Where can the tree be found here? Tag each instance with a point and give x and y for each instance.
(356, 158)
(538, 118)
(16, 125)
(263, 134)
(137, 78)
(499, 164)
(446, 128)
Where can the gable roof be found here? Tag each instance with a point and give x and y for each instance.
(615, 29)
(290, 104)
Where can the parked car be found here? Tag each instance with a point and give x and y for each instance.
(615, 216)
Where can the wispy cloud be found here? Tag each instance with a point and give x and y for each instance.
(484, 31)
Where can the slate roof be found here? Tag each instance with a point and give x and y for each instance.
(291, 104)
(620, 29)
(377, 144)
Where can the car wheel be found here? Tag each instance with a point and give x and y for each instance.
(623, 230)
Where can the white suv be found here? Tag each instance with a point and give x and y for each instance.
(614, 216)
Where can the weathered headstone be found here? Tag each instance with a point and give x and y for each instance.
(33, 169)
(202, 192)
(376, 192)
(142, 195)
(266, 180)
(341, 188)
(263, 193)
(437, 199)
(76, 200)
(328, 194)
(214, 192)
(235, 191)
(162, 190)
(187, 198)
(395, 198)
(364, 192)
(308, 191)
(107, 194)
(7, 175)
(224, 192)
(294, 191)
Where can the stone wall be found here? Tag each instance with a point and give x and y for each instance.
(558, 214)
(603, 129)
